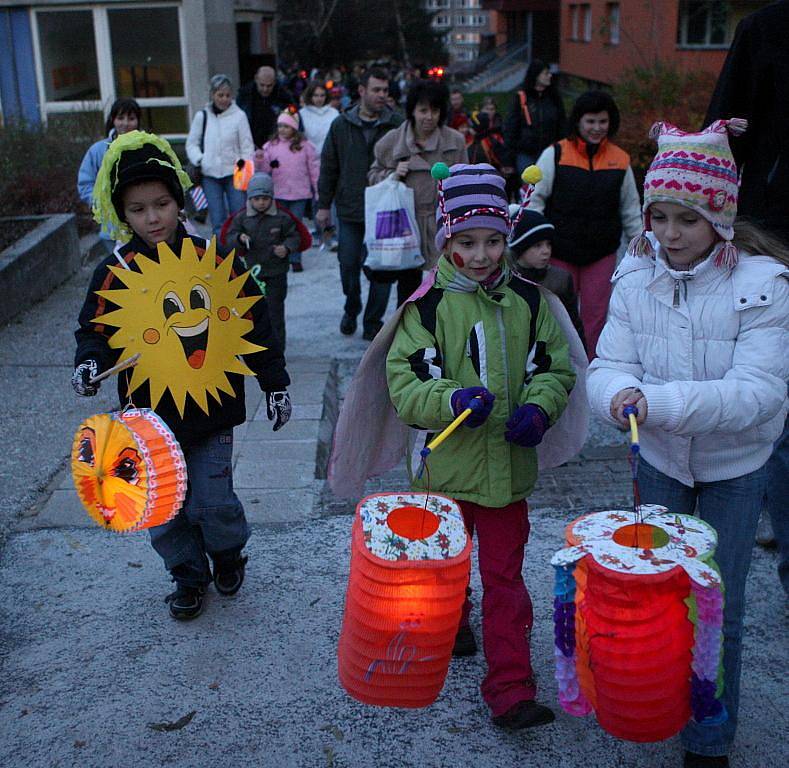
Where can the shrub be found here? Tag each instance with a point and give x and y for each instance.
(38, 168)
(661, 92)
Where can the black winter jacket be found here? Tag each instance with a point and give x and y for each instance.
(754, 84)
(195, 425)
(547, 125)
(346, 157)
(265, 230)
(261, 112)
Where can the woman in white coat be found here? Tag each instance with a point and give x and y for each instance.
(218, 139)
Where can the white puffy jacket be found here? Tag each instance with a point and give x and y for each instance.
(709, 349)
(227, 140)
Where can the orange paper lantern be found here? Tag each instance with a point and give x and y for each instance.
(242, 175)
(128, 469)
(410, 567)
(638, 610)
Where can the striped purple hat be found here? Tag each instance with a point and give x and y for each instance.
(470, 196)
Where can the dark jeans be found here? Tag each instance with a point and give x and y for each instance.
(212, 518)
(276, 291)
(776, 504)
(298, 208)
(351, 254)
(732, 508)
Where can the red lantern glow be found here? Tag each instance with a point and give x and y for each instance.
(409, 572)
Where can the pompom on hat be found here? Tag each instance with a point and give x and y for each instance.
(469, 196)
(697, 171)
(132, 158)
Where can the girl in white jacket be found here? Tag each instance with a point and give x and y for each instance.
(697, 338)
(218, 139)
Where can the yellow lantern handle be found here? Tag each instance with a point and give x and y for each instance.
(631, 412)
(443, 435)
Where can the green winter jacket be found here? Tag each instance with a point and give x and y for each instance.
(459, 336)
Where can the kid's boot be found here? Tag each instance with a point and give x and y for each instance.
(229, 568)
(186, 602)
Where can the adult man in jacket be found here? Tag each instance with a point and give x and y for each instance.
(346, 157)
(263, 99)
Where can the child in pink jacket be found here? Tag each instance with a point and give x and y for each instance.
(294, 165)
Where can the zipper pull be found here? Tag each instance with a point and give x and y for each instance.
(676, 293)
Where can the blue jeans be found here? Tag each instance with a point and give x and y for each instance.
(212, 518)
(223, 199)
(351, 253)
(298, 208)
(732, 508)
(775, 502)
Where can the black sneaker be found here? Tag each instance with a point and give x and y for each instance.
(694, 760)
(229, 574)
(465, 644)
(348, 325)
(525, 714)
(186, 602)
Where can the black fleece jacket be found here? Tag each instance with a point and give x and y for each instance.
(195, 425)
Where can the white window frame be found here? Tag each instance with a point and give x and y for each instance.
(101, 36)
(441, 21)
(682, 28)
(587, 12)
(575, 14)
(614, 14)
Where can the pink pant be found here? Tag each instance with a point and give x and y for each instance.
(592, 283)
(506, 605)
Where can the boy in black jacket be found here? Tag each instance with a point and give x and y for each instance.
(139, 192)
(269, 236)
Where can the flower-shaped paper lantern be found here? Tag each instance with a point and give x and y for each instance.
(128, 469)
(410, 562)
(638, 611)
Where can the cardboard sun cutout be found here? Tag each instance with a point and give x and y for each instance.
(185, 317)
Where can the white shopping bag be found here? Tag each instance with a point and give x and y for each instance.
(390, 231)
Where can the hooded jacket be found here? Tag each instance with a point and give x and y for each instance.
(227, 140)
(316, 122)
(708, 348)
(505, 339)
(295, 174)
(265, 230)
(346, 157)
(195, 425)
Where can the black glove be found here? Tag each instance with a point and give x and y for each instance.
(83, 373)
(278, 408)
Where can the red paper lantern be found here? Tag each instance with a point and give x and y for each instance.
(627, 645)
(410, 568)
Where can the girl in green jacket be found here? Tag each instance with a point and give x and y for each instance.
(481, 333)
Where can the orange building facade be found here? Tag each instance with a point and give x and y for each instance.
(600, 39)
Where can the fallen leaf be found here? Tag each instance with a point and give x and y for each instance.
(334, 731)
(78, 743)
(329, 753)
(315, 602)
(176, 726)
(134, 565)
(214, 686)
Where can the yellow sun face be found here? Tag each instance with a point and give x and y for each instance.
(185, 318)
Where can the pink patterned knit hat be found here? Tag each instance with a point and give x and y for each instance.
(696, 170)
(285, 118)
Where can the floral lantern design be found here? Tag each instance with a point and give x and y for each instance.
(128, 469)
(410, 564)
(638, 612)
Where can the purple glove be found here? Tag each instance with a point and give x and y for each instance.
(527, 426)
(462, 399)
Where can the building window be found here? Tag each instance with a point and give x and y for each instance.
(586, 13)
(87, 58)
(435, 5)
(612, 14)
(703, 24)
(575, 12)
(441, 20)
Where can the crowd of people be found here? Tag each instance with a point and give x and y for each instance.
(690, 327)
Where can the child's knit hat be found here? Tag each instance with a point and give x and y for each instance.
(696, 170)
(530, 229)
(261, 184)
(132, 158)
(286, 118)
(469, 196)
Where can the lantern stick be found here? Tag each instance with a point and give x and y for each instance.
(632, 412)
(474, 404)
(129, 362)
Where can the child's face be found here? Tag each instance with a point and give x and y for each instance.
(151, 211)
(285, 132)
(261, 203)
(536, 256)
(684, 234)
(476, 253)
(125, 122)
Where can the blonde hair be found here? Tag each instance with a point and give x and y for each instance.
(752, 239)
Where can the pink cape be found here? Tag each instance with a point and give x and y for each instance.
(370, 439)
